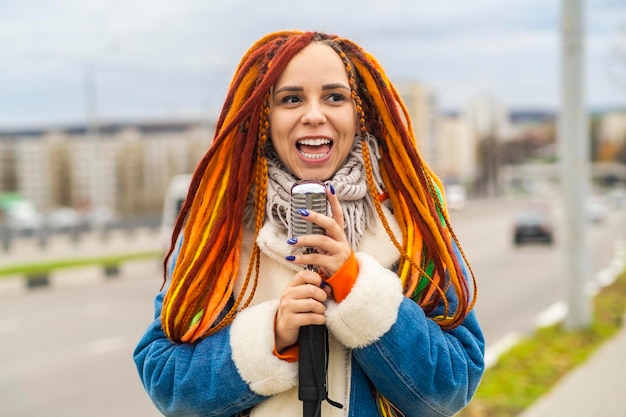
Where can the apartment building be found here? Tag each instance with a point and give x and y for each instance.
(448, 143)
(421, 103)
(126, 167)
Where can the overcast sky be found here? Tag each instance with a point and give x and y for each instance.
(167, 59)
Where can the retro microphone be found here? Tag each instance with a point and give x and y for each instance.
(310, 195)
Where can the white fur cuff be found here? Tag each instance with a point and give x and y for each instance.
(252, 343)
(370, 309)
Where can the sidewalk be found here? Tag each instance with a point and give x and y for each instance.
(62, 247)
(597, 388)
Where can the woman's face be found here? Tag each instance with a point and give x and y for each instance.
(312, 115)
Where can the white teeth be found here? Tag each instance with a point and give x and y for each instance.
(314, 155)
(314, 142)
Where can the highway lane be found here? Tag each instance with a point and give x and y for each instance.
(518, 283)
(67, 352)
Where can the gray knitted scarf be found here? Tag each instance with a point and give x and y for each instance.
(350, 185)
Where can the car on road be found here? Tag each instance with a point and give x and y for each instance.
(617, 198)
(533, 225)
(596, 210)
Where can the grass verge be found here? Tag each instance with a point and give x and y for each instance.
(46, 267)
(531, 368)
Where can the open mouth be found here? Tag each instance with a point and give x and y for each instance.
(314, 148)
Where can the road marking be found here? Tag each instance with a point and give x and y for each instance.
(495, 350)
(609, 274)
(102, 346)
(551, 315)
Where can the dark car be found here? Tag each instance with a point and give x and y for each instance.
(533, 226)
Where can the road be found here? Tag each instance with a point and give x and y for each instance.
(518, 283)
(67, 352)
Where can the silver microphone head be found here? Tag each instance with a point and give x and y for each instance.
(310, 195)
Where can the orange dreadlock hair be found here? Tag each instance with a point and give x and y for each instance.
(234, 166)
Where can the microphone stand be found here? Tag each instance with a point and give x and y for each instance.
(312, 344)
(312, 369)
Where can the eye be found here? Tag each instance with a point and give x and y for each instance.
(290, 99)
(336, 97)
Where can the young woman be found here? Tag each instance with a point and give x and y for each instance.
(391, 285)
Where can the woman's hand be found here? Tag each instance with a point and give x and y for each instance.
(301, 304)
(333, 249)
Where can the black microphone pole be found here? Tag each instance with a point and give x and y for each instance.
(312, 339)
(312, 367)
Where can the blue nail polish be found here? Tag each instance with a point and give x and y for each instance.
(290, 258)
(323, 284)
(303, 212)
(332, 189)
(292, 240)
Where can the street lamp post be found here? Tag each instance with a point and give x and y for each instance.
(93, 131)
(574, 150)
(90, 81)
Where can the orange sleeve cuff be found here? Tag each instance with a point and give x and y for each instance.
(289, 354)
(343, 280)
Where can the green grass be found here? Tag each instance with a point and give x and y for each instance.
(531, 368)
(46, 267)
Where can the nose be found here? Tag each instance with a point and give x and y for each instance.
(313, 114)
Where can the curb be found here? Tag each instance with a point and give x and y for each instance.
(558, 311)
(73, 276)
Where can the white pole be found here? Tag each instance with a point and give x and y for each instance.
(93, 134)
(91, 100)
(574, 148)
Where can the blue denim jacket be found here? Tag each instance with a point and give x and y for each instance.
(421, 369)
(437, 377)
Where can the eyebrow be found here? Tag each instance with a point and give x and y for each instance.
(332, 86)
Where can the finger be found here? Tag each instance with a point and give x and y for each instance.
(305, 285)
(308, 296)
(333, 229)
(321, 243)
(288, 324)
(305, 277)
(335, 207)
(295, 306)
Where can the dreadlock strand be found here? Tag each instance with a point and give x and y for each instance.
(260, 196)
(232, 241)
(207, 265)
(408, 236)
(201, 220)
(407, 256)
(243, 178)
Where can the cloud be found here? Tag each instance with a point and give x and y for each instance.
(157, 57)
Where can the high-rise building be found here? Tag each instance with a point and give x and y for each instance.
(125, 168)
